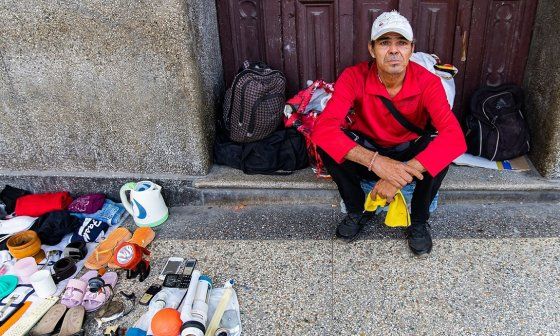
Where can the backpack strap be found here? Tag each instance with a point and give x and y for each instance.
(400, 118)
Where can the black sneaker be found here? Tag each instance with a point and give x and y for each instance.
(419, 239)
(351, 225)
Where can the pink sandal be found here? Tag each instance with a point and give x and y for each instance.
(76, 289)
(94, 300)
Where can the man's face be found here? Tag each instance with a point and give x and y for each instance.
(391, 52)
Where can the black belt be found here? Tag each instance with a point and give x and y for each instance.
(63, 269)
(76, 251)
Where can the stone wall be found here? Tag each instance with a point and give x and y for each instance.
(542, 83)
(108, 86)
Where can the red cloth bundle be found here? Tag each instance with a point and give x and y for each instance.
(39, 204)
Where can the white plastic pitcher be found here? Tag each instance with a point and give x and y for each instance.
(146, 204)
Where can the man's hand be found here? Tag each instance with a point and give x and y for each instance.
(384, 189)
(416, 164)
(395, 172)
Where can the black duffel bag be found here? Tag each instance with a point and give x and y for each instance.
(281, 153)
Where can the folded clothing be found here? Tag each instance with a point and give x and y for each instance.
(53, 226)
(112, 213)
(16, 224)
(10, 195)
(39, 204)
(88, 203)
(91, 230)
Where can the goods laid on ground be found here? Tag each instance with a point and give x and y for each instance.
(47, 239)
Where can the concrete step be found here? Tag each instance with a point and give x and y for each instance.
(491, 269)
(224, 185)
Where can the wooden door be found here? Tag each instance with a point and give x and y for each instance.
(487, 40)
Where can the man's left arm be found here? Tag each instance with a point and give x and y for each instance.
(449, 143)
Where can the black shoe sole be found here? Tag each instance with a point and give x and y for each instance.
(350, 239)
(421, 254)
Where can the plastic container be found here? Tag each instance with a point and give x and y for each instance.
(43, 283)
(231, 319)
(24, 268)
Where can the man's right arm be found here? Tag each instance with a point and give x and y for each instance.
(327, 132)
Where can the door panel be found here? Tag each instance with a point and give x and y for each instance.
(249, 29)
(460, 50)
(316, 40)
(499, 43)
(503, 23)
(433, 23)
(249, 42)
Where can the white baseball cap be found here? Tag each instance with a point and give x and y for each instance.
(391, 22)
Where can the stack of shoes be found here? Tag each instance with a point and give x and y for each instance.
(61, 320)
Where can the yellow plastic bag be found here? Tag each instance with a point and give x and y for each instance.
(397, 215)
(372, 205)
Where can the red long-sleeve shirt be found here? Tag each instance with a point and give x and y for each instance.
(421, 98)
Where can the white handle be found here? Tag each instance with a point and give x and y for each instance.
(124, 198)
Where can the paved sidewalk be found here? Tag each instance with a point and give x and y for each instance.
(495, 270)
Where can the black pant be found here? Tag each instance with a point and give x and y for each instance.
(348, 175)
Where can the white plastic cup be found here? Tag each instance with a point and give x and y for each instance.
(43, 283)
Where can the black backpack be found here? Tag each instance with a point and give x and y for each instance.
(254, 103)
(281, 153)
(496, 129)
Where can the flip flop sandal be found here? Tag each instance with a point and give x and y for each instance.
(48, 323)
(73, 321)
(76, 289)
(104, 251)
(95, 300)
(142, 236)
